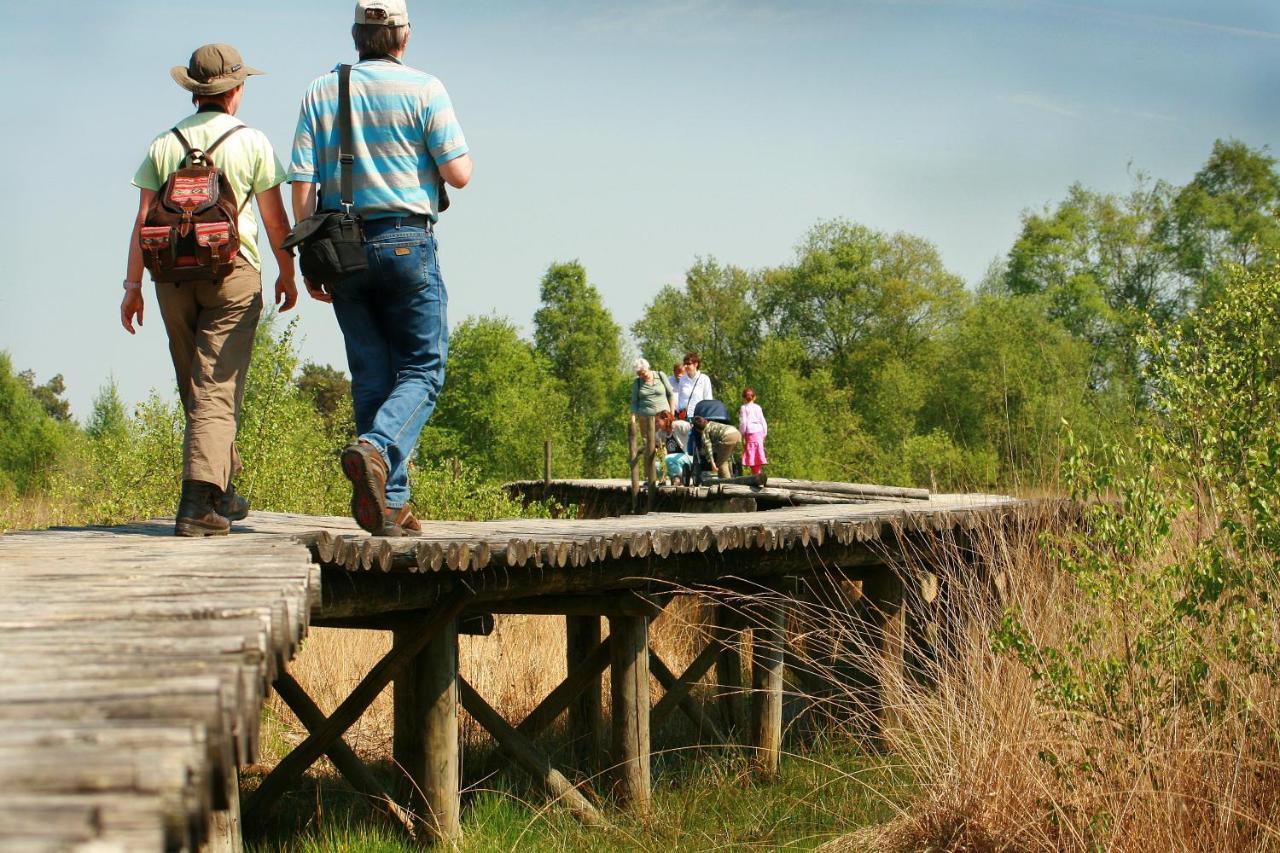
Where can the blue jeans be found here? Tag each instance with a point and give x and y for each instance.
(393, 319)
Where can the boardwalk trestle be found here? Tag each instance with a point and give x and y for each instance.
(747, 565)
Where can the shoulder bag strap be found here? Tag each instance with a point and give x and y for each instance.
(346, 145)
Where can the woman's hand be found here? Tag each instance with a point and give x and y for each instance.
(130, 308)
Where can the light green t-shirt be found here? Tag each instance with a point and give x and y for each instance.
(247, 160)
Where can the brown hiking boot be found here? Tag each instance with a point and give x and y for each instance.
(399, 521)
(367, 470)
(233, 506)
(197, 515)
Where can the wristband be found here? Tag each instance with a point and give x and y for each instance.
(132, 285)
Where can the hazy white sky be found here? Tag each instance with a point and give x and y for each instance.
(631, 136)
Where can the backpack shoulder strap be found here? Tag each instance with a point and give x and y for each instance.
(221, 139)
(187, 150)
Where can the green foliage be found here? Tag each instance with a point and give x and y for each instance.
(329, 390)
(857, 297)
(108, 416)
(32, 442)
(49, 395)
(1168, 630)
(713, 315)
(1229, 214)
(1006, 378)
(1102, 268)
(576, 334)
(501, 401)
(812, 430)
(288, 449)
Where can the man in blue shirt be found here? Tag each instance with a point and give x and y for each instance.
(408, 145)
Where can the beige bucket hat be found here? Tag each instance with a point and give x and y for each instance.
(213, 69)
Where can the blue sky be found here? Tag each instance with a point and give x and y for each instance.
(633, 137)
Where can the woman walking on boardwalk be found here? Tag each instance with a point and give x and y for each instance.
(752, 425)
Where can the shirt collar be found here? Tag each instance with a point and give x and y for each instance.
(386, 57)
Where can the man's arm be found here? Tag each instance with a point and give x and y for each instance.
(303, 197)
(131, 306)
(271, 207)
(457, 172)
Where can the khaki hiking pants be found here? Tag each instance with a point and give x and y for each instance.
(211, 327)
(659, 460)
(725, 450)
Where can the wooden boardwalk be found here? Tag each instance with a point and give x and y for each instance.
(135, 664)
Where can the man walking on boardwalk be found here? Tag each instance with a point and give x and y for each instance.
(407, 145)
(211, 321)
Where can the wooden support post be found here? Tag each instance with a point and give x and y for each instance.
(728, 629)
(521, 750)
(224, 825)
(425, 737)
(293, 765)
(922, 654)
(546, 465)
(582, 638)
(629, 677)
(768, 641)
(348, 764)
(877, 669)
(633, 458)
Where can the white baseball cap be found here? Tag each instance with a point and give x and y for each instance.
(389, 13)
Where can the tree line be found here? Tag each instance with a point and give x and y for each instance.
(872, 360)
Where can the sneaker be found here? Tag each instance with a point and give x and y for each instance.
(197, 515)
(364, 466)
(233, 506)
(399, 521)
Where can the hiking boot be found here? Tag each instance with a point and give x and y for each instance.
(197, 515)
(399, 521)
(233, 506)
(367, 470)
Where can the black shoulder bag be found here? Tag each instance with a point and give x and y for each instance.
(331, 242)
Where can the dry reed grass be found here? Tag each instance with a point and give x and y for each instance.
(998, 768)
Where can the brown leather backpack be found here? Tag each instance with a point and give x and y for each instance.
(190, 232)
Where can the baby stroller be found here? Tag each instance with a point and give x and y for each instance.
(712, 410)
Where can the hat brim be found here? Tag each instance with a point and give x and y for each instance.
(213, 87)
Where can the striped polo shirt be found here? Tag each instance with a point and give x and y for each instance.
(403, 126)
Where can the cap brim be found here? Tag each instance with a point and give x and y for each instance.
(215, 87)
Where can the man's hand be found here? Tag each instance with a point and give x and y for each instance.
(130, 307)
(286, 293)
(317, 292)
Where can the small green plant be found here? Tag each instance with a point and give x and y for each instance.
(1174, 563)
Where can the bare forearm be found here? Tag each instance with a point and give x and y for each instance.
(304, 199)
(271, 206)
(133, 267)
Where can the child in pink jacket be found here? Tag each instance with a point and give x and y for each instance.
(752, 425)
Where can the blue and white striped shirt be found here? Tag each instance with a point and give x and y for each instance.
(403, 126)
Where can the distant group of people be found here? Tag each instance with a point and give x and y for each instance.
(690, 426)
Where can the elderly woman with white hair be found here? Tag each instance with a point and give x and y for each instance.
(651, 393)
